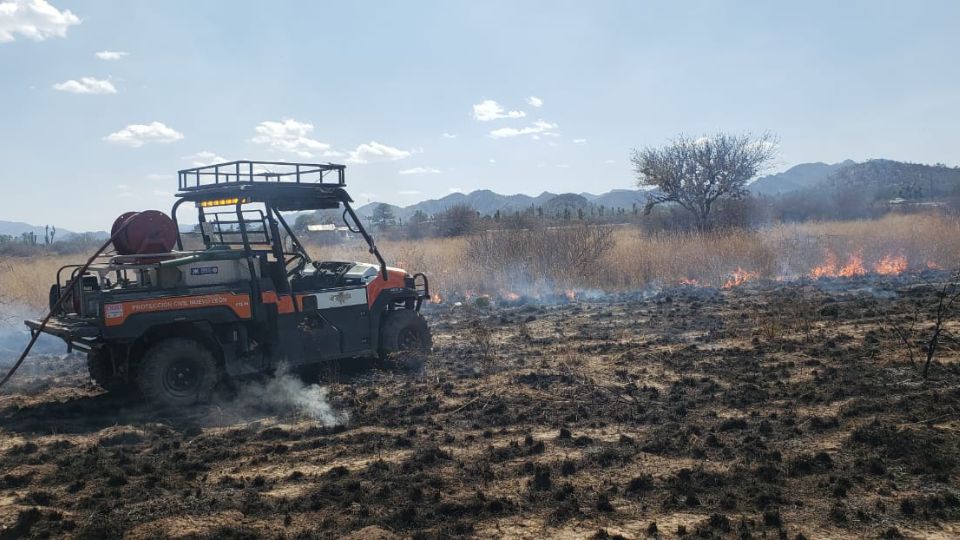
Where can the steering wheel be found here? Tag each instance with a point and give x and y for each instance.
(298, 269)
(332, 272)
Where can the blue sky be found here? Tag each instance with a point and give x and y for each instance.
(421, 98)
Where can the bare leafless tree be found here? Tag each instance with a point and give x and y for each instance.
(947, 297)
(697, 172)
(929, 340)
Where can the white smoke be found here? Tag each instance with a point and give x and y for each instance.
(14, 335)
(285, 393)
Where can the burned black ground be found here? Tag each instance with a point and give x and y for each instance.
(773, 410)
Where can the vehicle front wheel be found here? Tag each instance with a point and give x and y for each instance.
(177, 372)
(405, 337)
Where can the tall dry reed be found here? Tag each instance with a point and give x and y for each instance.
(635, 260)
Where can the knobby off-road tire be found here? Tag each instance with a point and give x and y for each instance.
(405, 339)
(177, 372)
(101, 371)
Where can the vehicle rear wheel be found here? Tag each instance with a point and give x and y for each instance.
(405, 338)
(177, 372)
(101, 371)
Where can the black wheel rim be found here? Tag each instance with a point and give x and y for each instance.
(182, 377)
(409, 340)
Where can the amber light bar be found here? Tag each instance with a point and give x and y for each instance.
(222, 202)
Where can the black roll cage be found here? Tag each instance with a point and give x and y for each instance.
(280, 187)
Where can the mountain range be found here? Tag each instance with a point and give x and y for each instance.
(17, 228)
(488, 203)
(796, 178)
(882, 178)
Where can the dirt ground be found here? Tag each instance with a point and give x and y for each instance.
(766, 411)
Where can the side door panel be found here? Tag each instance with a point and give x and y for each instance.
(337, 320)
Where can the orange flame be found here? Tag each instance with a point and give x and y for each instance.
(509, 296)
(830, 267)
(827, 269)
(436, 298)
(854, 266)
(933, 266)
(689, 281)
(739, 277)
(891, 265)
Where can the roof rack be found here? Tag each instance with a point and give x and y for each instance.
(257, 172)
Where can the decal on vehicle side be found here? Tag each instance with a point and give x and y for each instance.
(204, 270)
(346, 297)
(113, 311)
(116, 314)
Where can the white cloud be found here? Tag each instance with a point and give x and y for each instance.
(204, 158)
(541, 127)
(408, 192)
(455, 190)
(563, 166)
(33, 19)
(291, 136)
(491, 160)
(136, 135)
(161, 193)
(534, 101)
(86, 85)
(489, 109)
(374, 151)
(449, 136)
(158, 177)
(610, 161)
(421, 170)
(111, 55)
(368, 196)
(579, 141)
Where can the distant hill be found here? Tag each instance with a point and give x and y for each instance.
(567, 201)
(875, 180)
(796, 178)
(488, 202)
(17, 228)
(886, 179)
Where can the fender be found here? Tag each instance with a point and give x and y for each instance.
(380, 308)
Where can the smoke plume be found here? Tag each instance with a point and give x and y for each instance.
(286, 393)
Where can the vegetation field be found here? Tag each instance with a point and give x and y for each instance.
(782, 395)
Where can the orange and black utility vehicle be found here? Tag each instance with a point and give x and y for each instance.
(173, 322)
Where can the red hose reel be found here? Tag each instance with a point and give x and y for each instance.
(148, 232)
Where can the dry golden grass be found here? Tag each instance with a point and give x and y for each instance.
(25, 283)
(637, 260)
(780, 252)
